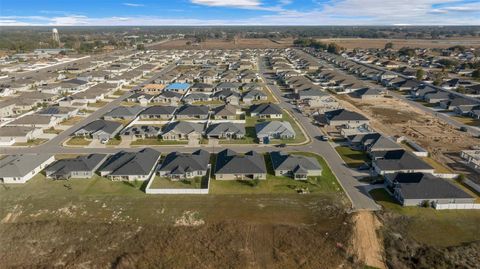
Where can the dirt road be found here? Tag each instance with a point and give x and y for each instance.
(367, 246)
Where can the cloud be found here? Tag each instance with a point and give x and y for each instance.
(133, 5)
(228, 3)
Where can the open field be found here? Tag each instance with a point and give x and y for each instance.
(242, 43)
(424, 237)
(115, 225)
(351, 43)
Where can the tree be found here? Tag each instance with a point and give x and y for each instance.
(389, 45)
(140, 47)
(420, 74)
(333, 48)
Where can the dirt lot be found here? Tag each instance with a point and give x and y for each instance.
(351, 43)
(115, 225)
(249, 43)
(394, 117)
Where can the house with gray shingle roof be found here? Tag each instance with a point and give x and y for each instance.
(266, 111)
(192, 112)
(414, 189)
(226, 130)
(123, 113)
(78, 167)
(274, 130)
(297, 166)
(182, 130)
(342, 117)
(100, 129)
(392, 161)
(157, 112)
(135, 132)
(233, 166)
(131, 166)
(20, 168)
(179, 166)
(254, 95)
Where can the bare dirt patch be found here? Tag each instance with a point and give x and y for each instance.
(241, 43)
(366, 244)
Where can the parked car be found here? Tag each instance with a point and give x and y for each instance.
(322, 138)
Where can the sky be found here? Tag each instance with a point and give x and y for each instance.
(238, 12)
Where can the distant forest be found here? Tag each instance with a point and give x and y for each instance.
(86, 39)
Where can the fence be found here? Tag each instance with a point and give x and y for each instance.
(176, 191)
(456, 206)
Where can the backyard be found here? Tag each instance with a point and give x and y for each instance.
(353, 158)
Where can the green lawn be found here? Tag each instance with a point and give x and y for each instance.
(114, 142)
(98, 104)
(78, 141)
(250, 123)
(152, 141)
(326, 183)
(353, 158)
(166, 183)
(434, 227)
(31, 142)
(212, 102)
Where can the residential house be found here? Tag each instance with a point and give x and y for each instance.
(131, 166)
(416, 189)
(226, 112)
(20, 168)
(78, 167)
(192, 112)
(342, 117)
(123, 113)
(180, 166)
(177, 87)
(254, 95)
(226, 130)
(233, 166)
(10, 135)
(135, 132)
(100, 130)
(296, 166)
(168, 97)
(266, 111)
(183, 130)
(386, 162)
(157, 113)
(268, 130)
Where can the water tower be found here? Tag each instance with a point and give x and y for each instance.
(55, 36)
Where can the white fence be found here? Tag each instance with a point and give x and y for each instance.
(456, 206)
(176, 191)
(445, 175)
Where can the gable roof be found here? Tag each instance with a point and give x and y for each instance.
(21, 165)
(274, 127)
(295, 163)
(183, 127)
(230, 162)
(159, 110)
(393, 160)
(226, 127)
(426, 186)
(124, 111)
(80, 164)
(101, 125)
(131, 163)
(344, 115)
(181, 163)
(266, 109)
(193, 110)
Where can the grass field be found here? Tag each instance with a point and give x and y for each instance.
(351, 43)
(439, 168)
(78, 141)
(326, 183)
(434, 227)
(31, 142)
(239, 43)
(165, 183)
(72, 120)
(353, 158)
(114, 142)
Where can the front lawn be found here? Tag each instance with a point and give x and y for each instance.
(32, 142)
(353, 158)
(78, 141)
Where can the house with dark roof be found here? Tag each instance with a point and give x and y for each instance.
(233, 166)
(200, 112)
(78, 167)
(135, 132)
(226, 112)
(168, 97)
(392, 161)
(368, 93)
(266, 111)
(268, 130)
(123, 113)
(140, 97)
(296, 166)
(196, 97)
(254, 95)
(100, 129)
(157, 113)
(20, 168)
(342, 117)
(226, 130)
(178, 166)
(182, 130)
(415, 189)
(130, 166)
